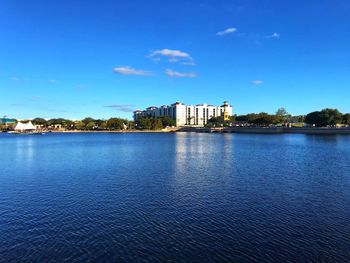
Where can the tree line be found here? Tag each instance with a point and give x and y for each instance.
(324, 118)
(151, 123)
(88, 123)
(327, 117)
(144, 123)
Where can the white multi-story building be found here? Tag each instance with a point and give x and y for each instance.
(187, 115)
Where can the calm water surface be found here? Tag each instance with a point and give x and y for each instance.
(174, 197)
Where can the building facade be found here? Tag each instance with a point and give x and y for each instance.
(187, 115)
(5, 120)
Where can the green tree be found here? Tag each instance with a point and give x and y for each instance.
(296, 119)
(325, 117)
(216, 121)
(250, 118)
(157, 124)
(39, 121)
(87, 120)
(99, 123)
(283, 115)
(263, 119)
(346, 119)
(144, 123)
(102, 125)
(116, 123)
(301, 118)
(60, 121)
(282, 112)
(233, 118)
(79, 125)
(91, 125)
(68, 124)
(131, 125)
(167, 121)
(332, 116)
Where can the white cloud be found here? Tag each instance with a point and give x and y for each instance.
(257, 82)
(15, 78)
(52, 81)
(227, 31)
(131, 71)
(176, 74)
(170, 53)
(274, 35)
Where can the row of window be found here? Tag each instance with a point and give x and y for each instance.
(205, 115)
(171, 112)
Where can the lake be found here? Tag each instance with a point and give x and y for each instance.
(140, 197)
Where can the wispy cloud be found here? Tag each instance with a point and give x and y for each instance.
(227, 31)
(131, 71)
(33, 80)
(176, 74)
(257, 82)
(188, 63)
(122, 107)
(274, 35)
(172, 55)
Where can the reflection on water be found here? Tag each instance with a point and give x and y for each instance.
(24, 150)
(199, 159)
(174, 197)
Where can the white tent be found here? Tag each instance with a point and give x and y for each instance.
(24, 126)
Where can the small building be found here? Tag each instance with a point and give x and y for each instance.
(55, 127)
(39, 126)
(25, 127)
(7, 121)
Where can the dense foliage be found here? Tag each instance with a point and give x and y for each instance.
(85, 124)
(323, 118)
(262, 118)
(326, 117)
(150, 123)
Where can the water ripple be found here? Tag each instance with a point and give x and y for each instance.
(174, 197)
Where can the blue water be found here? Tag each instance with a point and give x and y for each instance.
(174, 197)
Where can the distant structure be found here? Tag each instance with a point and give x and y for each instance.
(6, 120)
(187, 115)
(24, 127)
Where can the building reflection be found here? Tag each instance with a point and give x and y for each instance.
(24, 150)
(203, 163)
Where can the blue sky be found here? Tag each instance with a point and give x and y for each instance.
(103, 59)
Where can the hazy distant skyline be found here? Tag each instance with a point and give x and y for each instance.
(75, 59)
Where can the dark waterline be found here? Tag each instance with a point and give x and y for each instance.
(174, 197)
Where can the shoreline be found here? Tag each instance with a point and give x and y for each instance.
(243, 130)
(110, 131)
(272, 130)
